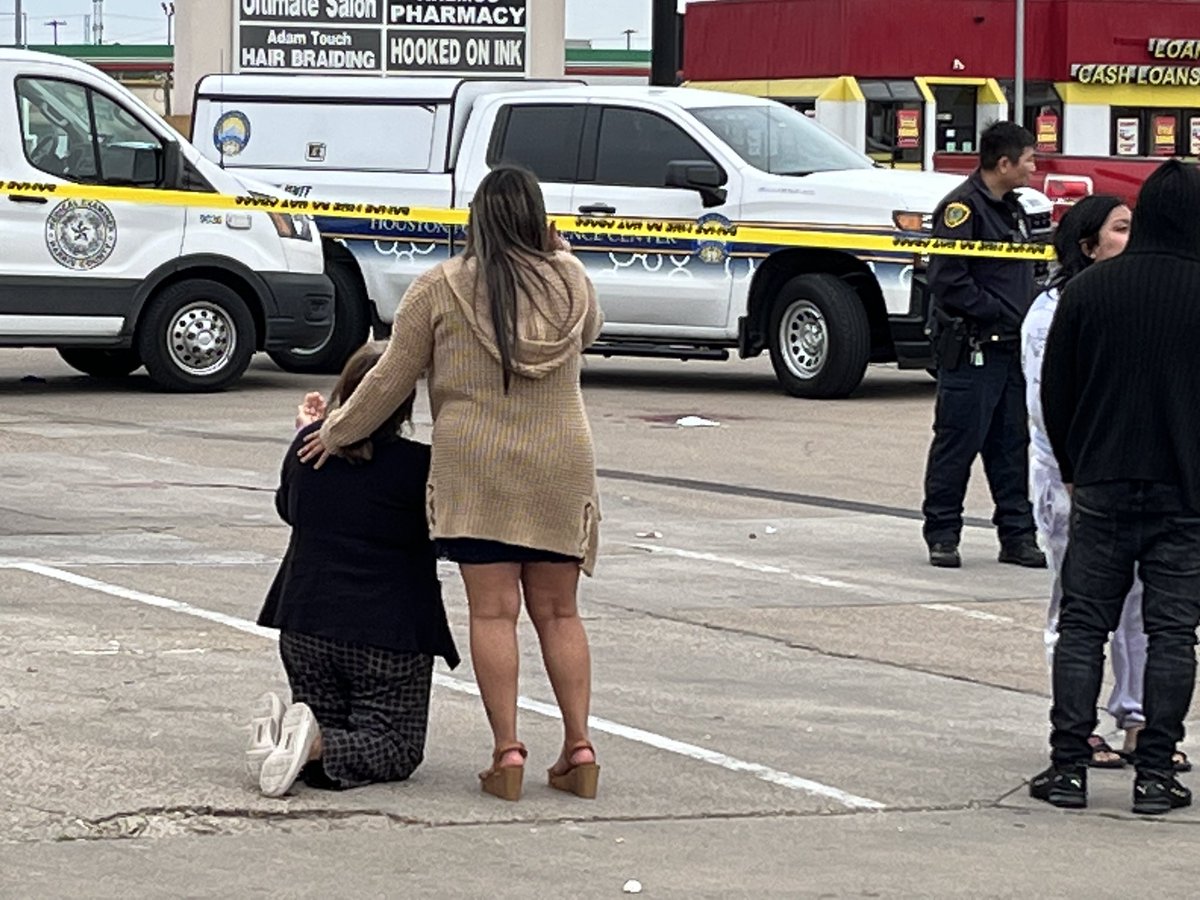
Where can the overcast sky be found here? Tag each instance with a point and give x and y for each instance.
(143, 21)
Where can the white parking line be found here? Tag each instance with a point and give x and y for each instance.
(605, 726)
(978, 615)
(710, 557)
(819, 580)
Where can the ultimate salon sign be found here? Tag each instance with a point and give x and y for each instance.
(1176, 62)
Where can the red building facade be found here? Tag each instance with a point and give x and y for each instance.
(1118, 77)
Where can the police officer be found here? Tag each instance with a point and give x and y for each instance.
(978, 307)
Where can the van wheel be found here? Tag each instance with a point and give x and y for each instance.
(820, 337)
(347, 333)
(101, 363)
(197, 336)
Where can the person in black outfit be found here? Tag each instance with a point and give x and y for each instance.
(1119, 385)
(359, 607)
(978, 307)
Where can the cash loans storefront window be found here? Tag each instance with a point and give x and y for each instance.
(1155, 132)
(1159, 125)
(895, 126)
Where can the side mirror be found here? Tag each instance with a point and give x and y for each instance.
(148, 169)
(137, 165)
(699, 175)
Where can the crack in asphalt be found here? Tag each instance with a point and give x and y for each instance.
(131, 485)
(814, 500)
(182, 821)
(688, 484)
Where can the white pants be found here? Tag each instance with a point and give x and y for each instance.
(1052, 513)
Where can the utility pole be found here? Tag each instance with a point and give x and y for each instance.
(629, 33)
(666, 55)
(1019, 77)
(97, 21)
(20, 18)
(55, 24)
(169, 11)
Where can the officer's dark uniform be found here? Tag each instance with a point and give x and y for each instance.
(981, 393)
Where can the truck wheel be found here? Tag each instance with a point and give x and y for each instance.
(820, 337)
(197, 336)
(347, 333)
(101, 363)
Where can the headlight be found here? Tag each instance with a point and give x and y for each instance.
(293, 227)
(905, 220)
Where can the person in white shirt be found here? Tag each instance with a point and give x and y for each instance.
(1093, 230)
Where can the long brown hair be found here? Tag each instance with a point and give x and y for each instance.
(507, 233)
(357, 366)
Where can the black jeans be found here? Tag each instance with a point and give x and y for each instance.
(1115, 528)
(980, 411)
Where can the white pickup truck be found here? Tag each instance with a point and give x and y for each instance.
(664, 153)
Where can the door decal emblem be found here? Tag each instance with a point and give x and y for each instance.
(81, 234)
(231, 133)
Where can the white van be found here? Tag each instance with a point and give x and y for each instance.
(600, 151)
(188, 293)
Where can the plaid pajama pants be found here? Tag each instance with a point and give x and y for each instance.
(372, 706)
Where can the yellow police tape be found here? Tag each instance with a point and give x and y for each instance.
(717, 232)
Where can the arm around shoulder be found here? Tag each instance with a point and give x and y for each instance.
(408, 354)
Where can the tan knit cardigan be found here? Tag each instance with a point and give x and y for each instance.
(517, 468)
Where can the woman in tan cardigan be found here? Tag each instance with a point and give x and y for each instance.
(512, 486)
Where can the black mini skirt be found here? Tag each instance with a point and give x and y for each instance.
(477, 552)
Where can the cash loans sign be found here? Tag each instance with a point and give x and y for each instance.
(1177, 62)
(383, 37)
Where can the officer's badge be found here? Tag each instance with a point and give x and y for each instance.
(956, 214)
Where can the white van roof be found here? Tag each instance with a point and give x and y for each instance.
(13, 55)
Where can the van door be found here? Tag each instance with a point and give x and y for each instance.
(71, 267)
(657, 282)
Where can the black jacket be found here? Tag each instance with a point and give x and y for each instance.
(1121, 375)
(360, 566)
(993, 295)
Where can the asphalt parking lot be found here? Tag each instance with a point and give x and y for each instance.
(789, 701)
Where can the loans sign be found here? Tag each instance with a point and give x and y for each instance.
(1177, 64)
(383, 37)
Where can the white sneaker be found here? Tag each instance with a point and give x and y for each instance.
(264, 733)
(297, 734)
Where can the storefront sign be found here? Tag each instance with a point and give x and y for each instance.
(1170, 49)
(1164, 135)
(1174, 48)
(908, 128)
(383, 37)
(1128, 136)
(1194, 149)
(1047, 133)
(1100, 73)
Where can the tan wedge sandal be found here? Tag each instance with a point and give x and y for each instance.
(504, 781)
(582, 780)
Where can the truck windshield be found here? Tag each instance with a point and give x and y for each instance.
(778, 139)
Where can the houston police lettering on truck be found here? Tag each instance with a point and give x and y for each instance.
(477, 37)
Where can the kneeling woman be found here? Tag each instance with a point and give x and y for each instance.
(359, 608)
